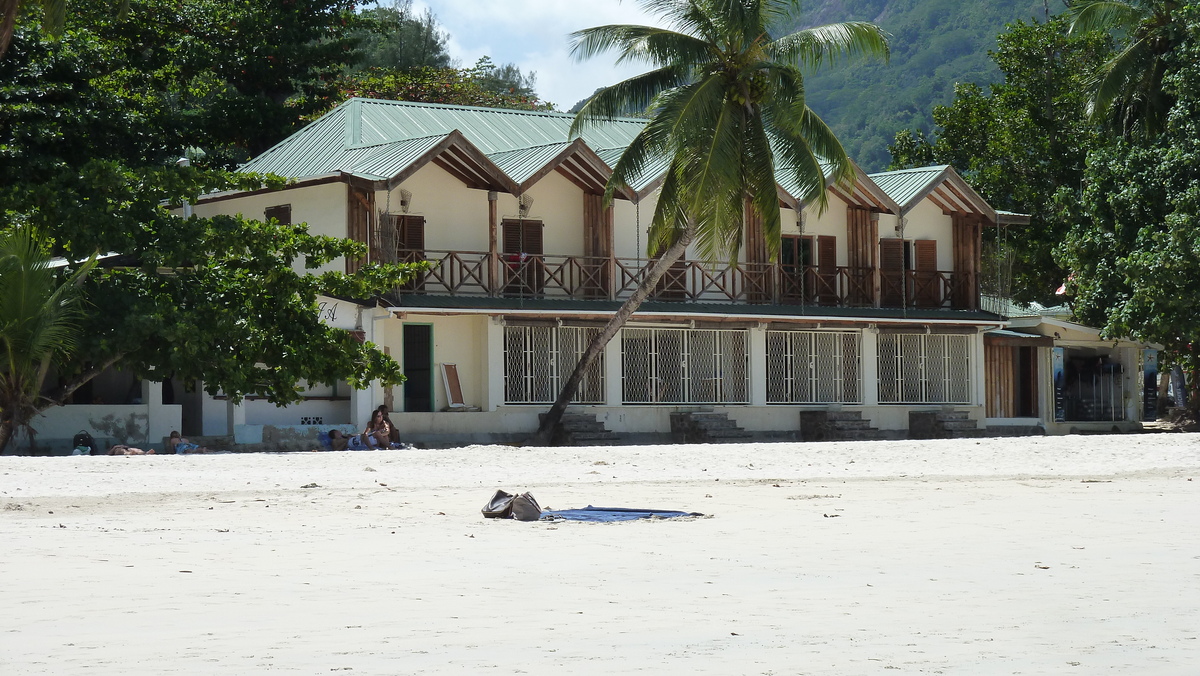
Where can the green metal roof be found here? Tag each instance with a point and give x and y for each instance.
(369, 137)
(906, 184)
(377, 140)
(522, 163)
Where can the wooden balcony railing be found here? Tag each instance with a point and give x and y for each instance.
(467, 273)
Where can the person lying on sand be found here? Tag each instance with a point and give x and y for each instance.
(122, 449)
(179, 445)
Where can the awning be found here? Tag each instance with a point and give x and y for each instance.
(1006, 338)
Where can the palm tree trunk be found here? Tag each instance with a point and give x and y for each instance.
(545, 432)
(6, 430)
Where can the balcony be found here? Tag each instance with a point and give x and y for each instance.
(478, 274)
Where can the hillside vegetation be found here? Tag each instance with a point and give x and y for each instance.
(935, 43)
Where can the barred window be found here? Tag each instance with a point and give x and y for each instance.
(809, 367)
(539, 359)
(915, 368)
(685, 366)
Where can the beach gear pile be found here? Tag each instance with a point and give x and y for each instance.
(524, 507)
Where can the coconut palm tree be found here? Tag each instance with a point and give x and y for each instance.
(1127, 92)
(727, 112)
(39, 312)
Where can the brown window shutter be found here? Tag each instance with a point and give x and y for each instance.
(826, 253)
(926, 254)
(412, 233)
(512, 237)
(533, 237)
(891, 254)
(281, 213)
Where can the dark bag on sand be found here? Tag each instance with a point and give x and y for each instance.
(84, 439)
(500, 506)
(526, 508)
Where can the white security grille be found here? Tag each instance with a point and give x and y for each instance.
(924, 369)
(685, 366)
(539, 359)
(806, 367)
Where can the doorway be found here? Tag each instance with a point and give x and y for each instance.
(417, 361)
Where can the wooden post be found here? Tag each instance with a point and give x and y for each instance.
(493, 259)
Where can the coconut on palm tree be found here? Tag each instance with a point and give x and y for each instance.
(39, 313)
(1127, 92)
(727, 114)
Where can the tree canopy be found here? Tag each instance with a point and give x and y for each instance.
(1021, 144)
(90, 126)
(1134, 252)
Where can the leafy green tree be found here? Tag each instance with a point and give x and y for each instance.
(398, 37)
(1022, 145)
(1134, 253)
(503, 79)
(726, 100)
(1127, 93)
(429, 85)
(88, 147)
(39, 324)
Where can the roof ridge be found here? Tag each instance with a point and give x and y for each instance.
(488, 109)
(912, 170)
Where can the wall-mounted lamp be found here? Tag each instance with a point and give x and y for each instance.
(524, 204)
(405, 200)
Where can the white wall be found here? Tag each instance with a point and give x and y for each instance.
(322, 207)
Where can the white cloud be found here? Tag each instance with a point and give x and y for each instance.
(533, 34)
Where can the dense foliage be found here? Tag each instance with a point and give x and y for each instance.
(1022, 145)
(1135, 250)
(90, 126)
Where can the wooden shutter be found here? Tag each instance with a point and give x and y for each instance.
(411, 234)
(360, 211)
(523, 277)
(891, 272)
(281, 213)
(928, 290)
(827, 271)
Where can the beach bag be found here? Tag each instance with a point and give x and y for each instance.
(499, 507)
(84, 439)
(526, 508)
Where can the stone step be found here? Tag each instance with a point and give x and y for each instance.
(583, 426)
(843, 415)
(953, 425)
(953, 415)
(868, 434)
(593, 436)
(858, 424)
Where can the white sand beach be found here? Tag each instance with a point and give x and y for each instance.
(1059, 555)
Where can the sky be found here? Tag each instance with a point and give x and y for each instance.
(533, 35)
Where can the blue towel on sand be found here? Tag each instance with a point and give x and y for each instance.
(591, 513)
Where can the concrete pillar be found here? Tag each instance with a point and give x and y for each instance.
(235, 414)
(493, 395)
(978, 372)
(758, 365)
(869, 367)
(362, 403)
(613, 363)
(160, 418)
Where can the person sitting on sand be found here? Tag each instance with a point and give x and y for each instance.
(122, 449)
(394, 436)
(378, 433)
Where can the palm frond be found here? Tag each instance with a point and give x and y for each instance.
(1117, 78)
(828, 44)
(626, 97)
(1104, 15)
(657, 46)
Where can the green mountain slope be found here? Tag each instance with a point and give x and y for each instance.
(935, 44)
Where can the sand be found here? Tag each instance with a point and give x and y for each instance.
(1067, 555)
